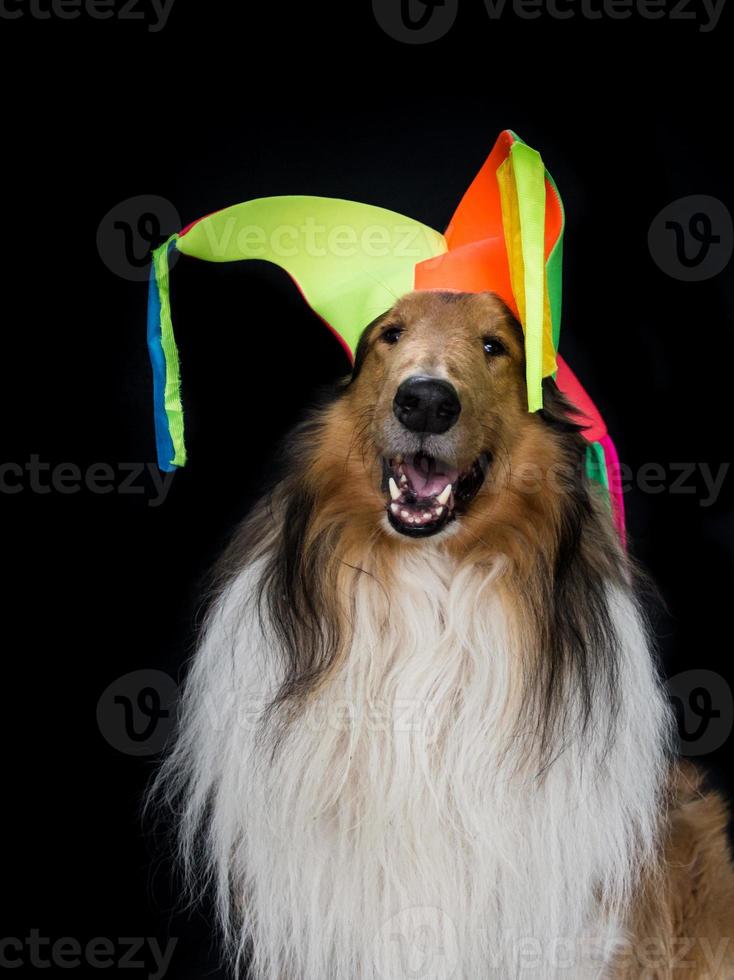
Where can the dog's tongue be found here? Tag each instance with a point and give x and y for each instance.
(428, 476)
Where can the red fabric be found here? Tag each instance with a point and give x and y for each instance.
(191, 225)
(588, 413)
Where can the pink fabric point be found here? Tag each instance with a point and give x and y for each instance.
(614, 478)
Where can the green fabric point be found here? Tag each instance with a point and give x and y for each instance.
(351, 261)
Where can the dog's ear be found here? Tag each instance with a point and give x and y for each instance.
(557, 412)
(363, 345)
(295, 596)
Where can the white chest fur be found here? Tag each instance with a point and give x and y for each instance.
(395, 831)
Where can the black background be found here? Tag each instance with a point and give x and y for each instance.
(234, 101)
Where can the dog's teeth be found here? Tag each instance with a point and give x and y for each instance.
(394, 507)
(438, 511)
(394, 492)
(404, 480)
(427, 516)
(443, 497)
(405, 515)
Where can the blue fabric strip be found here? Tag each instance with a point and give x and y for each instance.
(163, 441)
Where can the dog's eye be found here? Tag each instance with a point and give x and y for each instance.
(493, 347)
(391, 335)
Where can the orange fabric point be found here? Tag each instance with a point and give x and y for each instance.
(472, 268)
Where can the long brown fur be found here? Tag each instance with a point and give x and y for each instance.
(682, 925)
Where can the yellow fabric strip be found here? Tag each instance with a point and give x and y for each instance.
(521, 181)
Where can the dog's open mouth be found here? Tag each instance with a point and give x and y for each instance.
(424, 493)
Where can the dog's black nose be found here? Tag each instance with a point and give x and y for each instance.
(426, 404)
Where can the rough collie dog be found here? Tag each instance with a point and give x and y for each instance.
(424, 735)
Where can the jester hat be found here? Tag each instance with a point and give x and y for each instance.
(352, 261)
